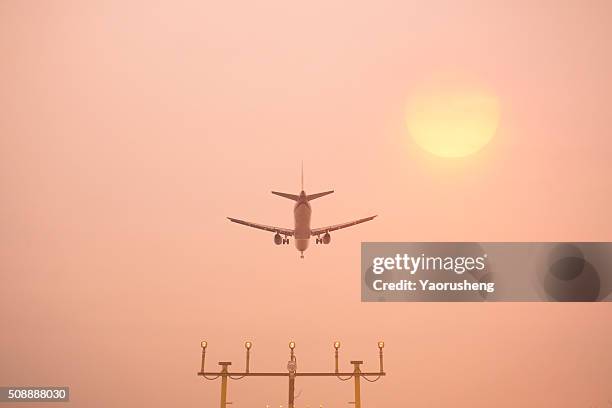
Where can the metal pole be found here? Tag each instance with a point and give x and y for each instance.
(292, 368)
(357, 376)
(291, 391)
(224, 375)
(336, 358)
(248, 346)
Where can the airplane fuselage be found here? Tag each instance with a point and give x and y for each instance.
(301, 214)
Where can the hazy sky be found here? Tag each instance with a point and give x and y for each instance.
(130, 130)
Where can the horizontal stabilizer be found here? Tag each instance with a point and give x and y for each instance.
(311, 197)
(286, 195)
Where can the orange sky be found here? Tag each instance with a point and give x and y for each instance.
(130, 131)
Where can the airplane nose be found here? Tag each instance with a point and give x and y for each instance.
(301, 244)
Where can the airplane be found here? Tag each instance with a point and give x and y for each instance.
(301, 230)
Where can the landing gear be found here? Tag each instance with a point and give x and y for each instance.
(285, 241)
(325, 240)
(302, 254)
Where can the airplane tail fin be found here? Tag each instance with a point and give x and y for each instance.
(311, 197)
(296, 197)
(286, 195)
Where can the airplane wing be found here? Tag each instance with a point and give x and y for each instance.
(282, 231)
(322, 230)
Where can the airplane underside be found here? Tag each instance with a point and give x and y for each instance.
(301, 231)
(301, 245)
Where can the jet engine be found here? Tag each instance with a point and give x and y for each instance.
(326, 238)
(278, 239)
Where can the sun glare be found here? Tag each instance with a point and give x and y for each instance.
(453, 122)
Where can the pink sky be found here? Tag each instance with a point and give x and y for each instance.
(130, 130)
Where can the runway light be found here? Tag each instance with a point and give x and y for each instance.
(292, 345)
(248, 345)
(381, 344)
(337, 345)
(204, 344)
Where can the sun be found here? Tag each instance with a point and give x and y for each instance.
(453, 121)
